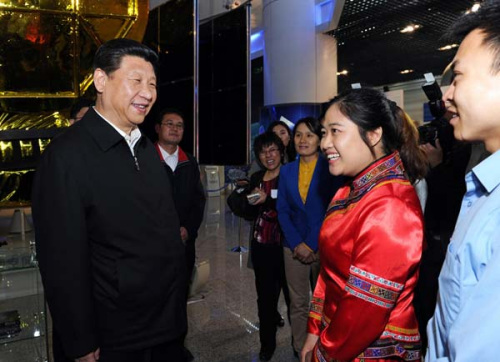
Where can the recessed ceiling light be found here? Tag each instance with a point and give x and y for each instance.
(474, 8)
(406, 71)
(343, 72)
(448, 47)
(410, 28)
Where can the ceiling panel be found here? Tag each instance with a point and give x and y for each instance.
(373, 50)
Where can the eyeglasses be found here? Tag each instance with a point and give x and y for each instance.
(271, 151)
(170, 124)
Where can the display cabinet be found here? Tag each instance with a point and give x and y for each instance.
(23, 326)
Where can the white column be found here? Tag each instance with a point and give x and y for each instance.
(300, 65)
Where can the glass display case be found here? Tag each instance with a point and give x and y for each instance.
(23, 327)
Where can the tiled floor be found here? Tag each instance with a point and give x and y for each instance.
(224, 325)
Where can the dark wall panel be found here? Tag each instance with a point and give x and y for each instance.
(223, 89)
(171, 33)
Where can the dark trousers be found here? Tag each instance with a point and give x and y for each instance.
(269, 276)
(57, 350)
(166, 352)
(190, 259)
(426, 290)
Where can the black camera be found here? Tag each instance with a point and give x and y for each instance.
(439, 127)
(427, 134)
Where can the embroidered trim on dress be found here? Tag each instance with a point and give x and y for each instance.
(407, 352)
(372, 289)
(389, 169)
(375, 278)
(390, 327)
(316, 308)
(368, 298)
(400, 337)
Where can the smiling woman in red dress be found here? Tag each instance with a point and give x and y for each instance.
(370, 243)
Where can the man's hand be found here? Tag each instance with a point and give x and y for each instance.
(307, 350)
(91, 357)
(304, 254)
(184, 234)
(434, 154)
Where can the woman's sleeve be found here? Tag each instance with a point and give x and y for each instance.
(387, 250)
(292, 236)
(316, 308)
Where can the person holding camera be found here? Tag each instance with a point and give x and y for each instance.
(266, 241)
(465, 324)
(445, 189)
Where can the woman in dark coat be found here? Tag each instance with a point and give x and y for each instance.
(266, 242)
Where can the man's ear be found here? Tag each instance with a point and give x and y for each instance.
(100, 78)
(157, 128)
(375, 136)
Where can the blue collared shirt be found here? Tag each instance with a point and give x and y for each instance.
(466, 322)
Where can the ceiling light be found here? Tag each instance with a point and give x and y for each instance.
(406, 71)
(448, 47)
(410, 28)
(343, 72)
(474, 8)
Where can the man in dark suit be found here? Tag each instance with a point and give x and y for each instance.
(107, 233)
(184, 173)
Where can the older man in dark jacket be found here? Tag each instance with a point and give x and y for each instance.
(108, 241)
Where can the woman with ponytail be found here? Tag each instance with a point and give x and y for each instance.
(370, 243)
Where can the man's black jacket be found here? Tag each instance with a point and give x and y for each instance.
(188, 193)
(108, 241)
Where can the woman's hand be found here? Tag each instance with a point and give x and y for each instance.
(304, 254)
(307, 350)
(262, 196)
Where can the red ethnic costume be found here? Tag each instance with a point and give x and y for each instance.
(370, 247)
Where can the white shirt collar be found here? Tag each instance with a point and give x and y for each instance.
(170, 159)
(131, 139)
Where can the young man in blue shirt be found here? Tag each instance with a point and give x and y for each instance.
(466, 323)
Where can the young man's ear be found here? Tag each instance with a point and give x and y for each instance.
(100, 78)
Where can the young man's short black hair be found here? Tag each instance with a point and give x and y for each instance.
(486, 19)
(110, 54)
(165, 111)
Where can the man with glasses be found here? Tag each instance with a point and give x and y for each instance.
(184, 173)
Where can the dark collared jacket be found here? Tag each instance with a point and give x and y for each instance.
(188, 192)
(108, 241)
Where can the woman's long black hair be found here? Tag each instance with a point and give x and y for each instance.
(370, 109)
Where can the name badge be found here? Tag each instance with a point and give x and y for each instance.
(274, 193)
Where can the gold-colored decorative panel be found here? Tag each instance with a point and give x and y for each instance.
(28, 121)
(47, 46)
(15, 187)
(46, 53)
